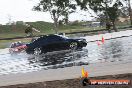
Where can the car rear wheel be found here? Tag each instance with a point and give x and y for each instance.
(73, 45)
(37, 51)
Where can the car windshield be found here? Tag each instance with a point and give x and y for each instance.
(40, 38)
(64, 37)
(55, 38)
(51, 38)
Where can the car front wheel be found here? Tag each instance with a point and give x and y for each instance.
(73, 45)
(37, 51)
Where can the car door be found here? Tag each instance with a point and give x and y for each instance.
(62, 43)
(56, 43)
(51, 43)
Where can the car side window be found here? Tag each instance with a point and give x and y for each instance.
(40, 39)
(54, 38)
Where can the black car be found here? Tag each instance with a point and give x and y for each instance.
(51, 43)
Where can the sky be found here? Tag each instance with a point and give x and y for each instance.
(21, 10)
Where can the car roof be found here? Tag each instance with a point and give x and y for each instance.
(45, 36)
(54, 35)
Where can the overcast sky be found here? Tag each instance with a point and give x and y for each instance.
(21, 10)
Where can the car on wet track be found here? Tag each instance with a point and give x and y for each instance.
(49, 43)
(17, 47)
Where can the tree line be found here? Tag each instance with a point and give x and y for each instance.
(106, 10)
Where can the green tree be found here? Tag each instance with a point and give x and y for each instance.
(130, 11)
(113, 14)
(68, 7)
(128, 5)
(103, 7)
(57, 9)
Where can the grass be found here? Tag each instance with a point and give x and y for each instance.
(18, 30)
(10, 31)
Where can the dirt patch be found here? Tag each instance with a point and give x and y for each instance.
(74, 83)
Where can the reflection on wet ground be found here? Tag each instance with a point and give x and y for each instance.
(111, 50)
(61, 59)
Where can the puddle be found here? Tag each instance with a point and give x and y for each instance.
(111, 50)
